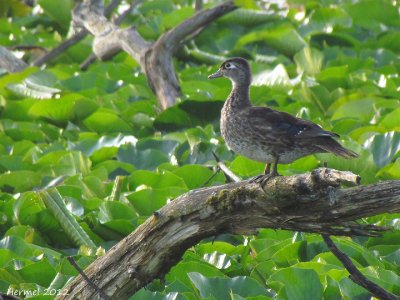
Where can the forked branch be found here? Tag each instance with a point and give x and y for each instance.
(155, 58)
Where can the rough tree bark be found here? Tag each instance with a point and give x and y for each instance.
(311, 202)
(155, 58)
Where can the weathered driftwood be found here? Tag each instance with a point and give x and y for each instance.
(155, 58)
(311, 202)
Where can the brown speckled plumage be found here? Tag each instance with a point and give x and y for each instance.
(264, 134)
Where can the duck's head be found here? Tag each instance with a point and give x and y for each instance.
(237, 69)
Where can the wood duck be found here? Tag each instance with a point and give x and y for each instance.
(264, 134)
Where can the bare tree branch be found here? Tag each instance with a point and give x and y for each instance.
(311, 202)
(76, 38)
(61, 48)
(9, 62)
(356, 275)
(90, 283)
(92, 57)
(155, 58)
(171, 39)
(228, 173)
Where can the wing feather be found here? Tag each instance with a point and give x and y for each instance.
(271, 122)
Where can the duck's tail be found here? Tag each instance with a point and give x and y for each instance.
(332, 146)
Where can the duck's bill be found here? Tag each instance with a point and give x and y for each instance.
(216, 75)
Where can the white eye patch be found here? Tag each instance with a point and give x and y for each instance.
(229, 66)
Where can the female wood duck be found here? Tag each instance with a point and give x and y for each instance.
(264, 134)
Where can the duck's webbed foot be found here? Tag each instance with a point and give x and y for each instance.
(263, 178)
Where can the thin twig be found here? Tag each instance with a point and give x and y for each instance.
(211, 177)
(60, 48)
(356, 275)
(228, 173)
(91, 283)
(88, 61)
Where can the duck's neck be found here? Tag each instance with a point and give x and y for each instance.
(240, 95)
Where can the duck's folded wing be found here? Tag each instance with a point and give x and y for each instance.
(284, 125)
(282, 129)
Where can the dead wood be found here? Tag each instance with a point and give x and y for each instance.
(311, 202)
(155, 58)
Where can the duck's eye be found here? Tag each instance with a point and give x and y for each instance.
(228, 66)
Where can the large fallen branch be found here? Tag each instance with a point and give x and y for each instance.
(155, 58)
(311, 202)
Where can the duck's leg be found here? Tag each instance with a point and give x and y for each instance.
(267, 169)
(275, 168)
(263, 178)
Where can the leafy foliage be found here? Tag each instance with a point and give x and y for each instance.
(85, 157)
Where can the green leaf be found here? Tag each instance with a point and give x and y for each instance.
(59, 12)
(147, 159)
(89, 82)
(298, 283)
(284, 38)
(24, 131)
(91, 186)
(182, 269)
(384, 147)
(68, 108)
(391, 171)
(370, 13)
(164, 145)
(23, 249)
(64, 162)
(173, 118)
(351, 290)
(277, 78)
(40, 272)
(19, 181)
(221, 288)
(113, 210)
(148, 200)
(203, 175)
(155, 180)
(6, 256)
(392, 120)
(106, 122)
(13, 163)
(243, 166)
(27, 207)
(56, 205)
(290, 254)
(175, 17)
(334, 77)
(248, 17)
(326, 19)
(334, 39)
(361, 109)
(271, 248)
